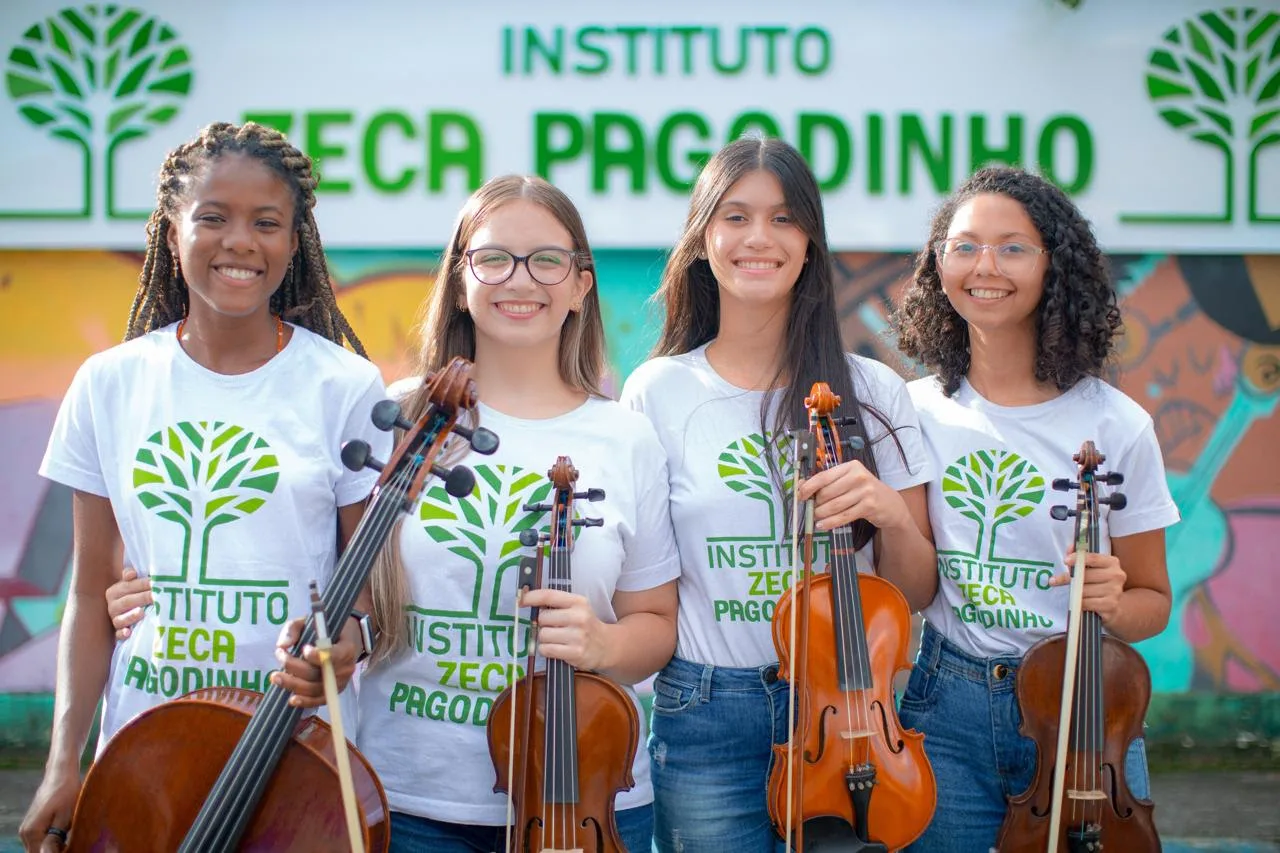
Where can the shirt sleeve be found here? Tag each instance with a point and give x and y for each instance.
(355, 486)
(899, 467)
(651, 558)
(72, 455)
(1149, 503)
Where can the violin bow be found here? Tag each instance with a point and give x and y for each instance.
(324, 647)
(1074, 617)
(803, 453)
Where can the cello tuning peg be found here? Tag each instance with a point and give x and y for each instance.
(590, 495)
(459, 482)
(484, 441)
(1115, 500)
(537, 507)
(529, 538)
(1062, 484)
(386, 414)
(1113, 478)
(1061, 513)
(588, 522)
(357, 455)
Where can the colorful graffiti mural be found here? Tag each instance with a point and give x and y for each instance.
(1201, 353)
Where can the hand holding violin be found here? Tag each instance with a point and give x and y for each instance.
(568, 629)
(1103, 584)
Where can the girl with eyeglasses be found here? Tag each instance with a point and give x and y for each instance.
(516, 294)
(1011, 304)
(750, 325)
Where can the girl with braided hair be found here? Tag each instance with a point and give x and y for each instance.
(204, 451)
(1012, 305)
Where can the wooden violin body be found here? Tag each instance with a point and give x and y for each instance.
(1122, 820)
(606, 734)
(904, 792)
(128, 803)
(850, 778)
(1083, 697)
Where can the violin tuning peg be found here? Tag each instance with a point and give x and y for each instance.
(1113, 478)
(590, 495)
(588, 522)
(483, 441)
(853, 444)
(1115, 500)
(537, 507)
(358, 455)
(1062, 484)
(847, 420)
(386, 414)
(529, 538)
(459, 482)
(1061, 513)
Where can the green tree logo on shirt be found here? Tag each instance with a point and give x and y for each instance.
(467, 526)
(744, 467)
(201, 476)
(993, 488)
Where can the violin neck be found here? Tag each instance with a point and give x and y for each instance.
(853, 658)
(560, 773)
(232, 801)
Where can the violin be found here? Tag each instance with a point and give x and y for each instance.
(563, 740)
(849, 778)
(224, 768)
(1083, 698)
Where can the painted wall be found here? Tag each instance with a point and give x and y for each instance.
(1201, 353)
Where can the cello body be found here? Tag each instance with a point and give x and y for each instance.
(126, 805)
(607, 730)
(1125, 821)
(904, 794)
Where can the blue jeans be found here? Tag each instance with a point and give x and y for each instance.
(710, 754)
(967, 709)
(412, 834)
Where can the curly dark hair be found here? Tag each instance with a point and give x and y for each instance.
(306, 295)
(1078, 317)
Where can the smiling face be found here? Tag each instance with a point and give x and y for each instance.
(233, 236)
(520, 312)
(987, 298)
(755, 249)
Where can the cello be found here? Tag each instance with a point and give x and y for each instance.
(1083, 697)
(849, 778)
(562, 741)
(224, 768)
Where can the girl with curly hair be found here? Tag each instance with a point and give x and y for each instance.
(1012, 305)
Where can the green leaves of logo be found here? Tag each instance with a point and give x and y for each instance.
(1207, 62)
(108, 69)
(992, 487)
(202, 475)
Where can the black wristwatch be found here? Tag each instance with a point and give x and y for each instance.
(367, 635)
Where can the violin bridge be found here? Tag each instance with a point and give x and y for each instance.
(856, 734)
(1095, 794)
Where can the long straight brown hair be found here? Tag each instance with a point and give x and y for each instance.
(448, 331)
(812, 349)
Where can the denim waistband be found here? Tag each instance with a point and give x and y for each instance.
(938, 653)
(712, 679)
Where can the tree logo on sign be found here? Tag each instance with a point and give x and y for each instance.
(1215, 77)
(97, 77)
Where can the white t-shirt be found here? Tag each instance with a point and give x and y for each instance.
(997, 543)
(225, 490)
(423, 713)
(730, 521)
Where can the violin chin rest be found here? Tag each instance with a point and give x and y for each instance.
(835, 835)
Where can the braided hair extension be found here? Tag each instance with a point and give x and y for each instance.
(306, 295)
(1078, 318)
